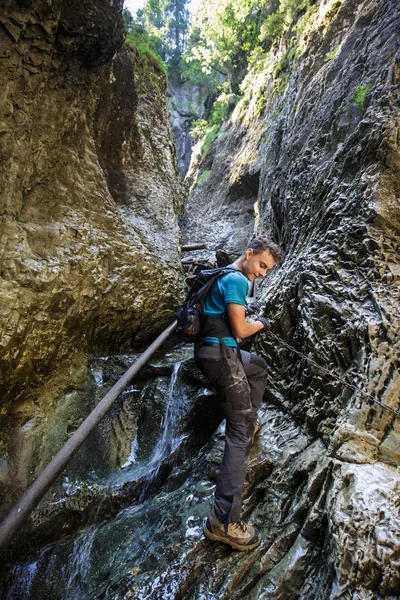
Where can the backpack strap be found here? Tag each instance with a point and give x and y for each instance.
(217, 326)
(199, 296)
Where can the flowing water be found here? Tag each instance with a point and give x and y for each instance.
(169, 438)
(73, 563)
(149, 544)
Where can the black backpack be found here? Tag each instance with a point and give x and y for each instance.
(189, 313)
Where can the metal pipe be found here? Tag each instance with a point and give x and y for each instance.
(193, 247)
(35, 493)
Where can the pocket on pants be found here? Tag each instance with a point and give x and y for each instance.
(232, 385)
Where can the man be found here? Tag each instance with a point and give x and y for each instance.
(240, 379)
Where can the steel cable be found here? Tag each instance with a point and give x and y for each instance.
(340, 379)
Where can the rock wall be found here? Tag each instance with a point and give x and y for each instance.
(90, 198)
(186, 103)
(311, 155)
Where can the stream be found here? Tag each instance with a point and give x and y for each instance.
(70, 568)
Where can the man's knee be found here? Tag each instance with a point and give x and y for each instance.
(255, 367)
(259, 362)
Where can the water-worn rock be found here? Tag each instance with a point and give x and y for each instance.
(157, 549)
(321, 137)
(220, 209)
(90, 198)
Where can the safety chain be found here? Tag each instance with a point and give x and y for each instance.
(350, 385)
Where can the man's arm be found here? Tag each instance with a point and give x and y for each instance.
(240, 327)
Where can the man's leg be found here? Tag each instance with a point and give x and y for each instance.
(239, 429)
(256, 370)
(228, 375)
(239, 432)
(223, 367)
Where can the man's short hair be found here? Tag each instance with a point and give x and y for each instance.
(263, 243)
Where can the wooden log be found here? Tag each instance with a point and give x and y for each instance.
(193, 247)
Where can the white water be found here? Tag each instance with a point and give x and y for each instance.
(170, 438)
(79, 564)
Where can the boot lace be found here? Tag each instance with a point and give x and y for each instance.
(241, 525)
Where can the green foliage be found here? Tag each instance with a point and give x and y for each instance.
(199, 128)
(360, 95)
(207, 131)
(136, 40)
(210, 136)
(219, 111)
(283, 63)
(223, 34)
(236, 41)
(273, 26)
(166, 24)
(128, 19)
(281, 19)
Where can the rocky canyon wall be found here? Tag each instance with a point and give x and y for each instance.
(90, 197)
(186, 103)
(311, 156)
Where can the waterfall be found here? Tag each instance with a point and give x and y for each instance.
(170, 438)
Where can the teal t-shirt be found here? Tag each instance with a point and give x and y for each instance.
(232, 287)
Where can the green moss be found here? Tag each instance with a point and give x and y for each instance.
(204, 176)
(282, 64)
(333, 53)
(208, 130)
(198, 128)
(333, 10)
(281, 84)
(360, 95)
(210, 136)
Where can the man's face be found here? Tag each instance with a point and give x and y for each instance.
(257, 265)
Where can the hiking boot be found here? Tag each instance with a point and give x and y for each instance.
(239, 535)
(257, 428)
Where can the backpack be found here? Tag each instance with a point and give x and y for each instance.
(189, 314)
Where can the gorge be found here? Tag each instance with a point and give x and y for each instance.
(94, 212)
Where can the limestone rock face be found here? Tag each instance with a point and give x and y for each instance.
(89, 190)
(320, 143)
(221, 209)
(321, 537)
(90, 198)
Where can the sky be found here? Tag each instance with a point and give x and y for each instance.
(134, 5)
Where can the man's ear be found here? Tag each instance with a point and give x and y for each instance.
(249, 252)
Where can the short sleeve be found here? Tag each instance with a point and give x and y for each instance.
(234, 288)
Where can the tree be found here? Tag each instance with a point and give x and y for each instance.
(166, 23)
(226, 32)
(128, 19)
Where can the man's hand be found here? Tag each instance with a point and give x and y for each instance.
(266, 323)
(240, 327)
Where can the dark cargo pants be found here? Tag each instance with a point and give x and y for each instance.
(240, 386)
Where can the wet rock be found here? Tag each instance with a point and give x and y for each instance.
(157, 549)
(327, 166)
(90, 201)
(365, 540)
